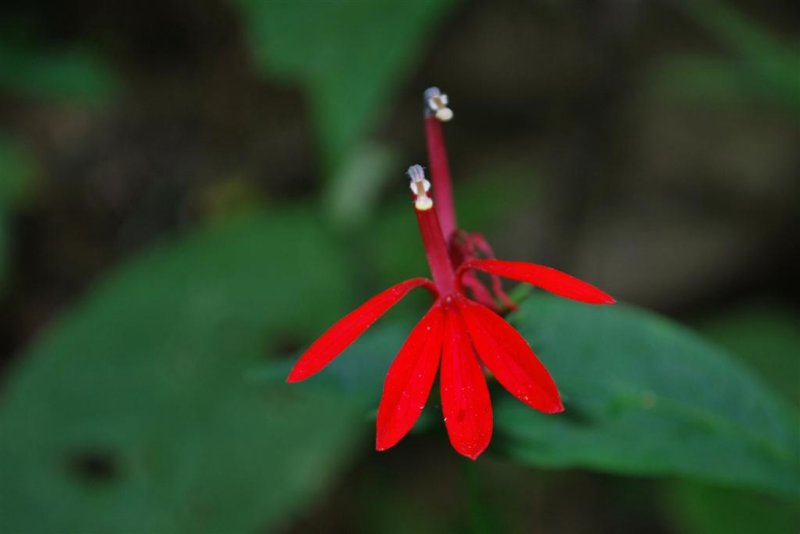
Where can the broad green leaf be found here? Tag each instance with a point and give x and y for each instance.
(766, 337)
(349, 56)
(135, 411)
(645, 396)
(72, 76)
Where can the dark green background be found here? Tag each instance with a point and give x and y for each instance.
(190, 192)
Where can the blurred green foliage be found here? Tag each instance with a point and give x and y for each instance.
(352, 194)
(702, 509)
(158, 402)
(766, 337)
(5, 250)
(135, 409)
(348, 57)
(17, 169)
(645, 396)
(75, 76)
(765, 68)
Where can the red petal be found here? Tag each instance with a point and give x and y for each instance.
(547, 278)
(409, 379)
(348, 329)
(466, 405)
(508, 356)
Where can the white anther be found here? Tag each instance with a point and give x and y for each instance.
(420, 187)
(436, 103)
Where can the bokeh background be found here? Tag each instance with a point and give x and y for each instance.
(191, 191)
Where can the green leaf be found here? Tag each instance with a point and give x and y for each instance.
(766, 337)
(135, 411)
(349, 56)
(645, 396)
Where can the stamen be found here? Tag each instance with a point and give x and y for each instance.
(436, 104)
(420, 187)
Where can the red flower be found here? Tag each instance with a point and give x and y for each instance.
(458, 335)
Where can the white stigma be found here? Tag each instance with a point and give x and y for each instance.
(420, 187)
(436, 102)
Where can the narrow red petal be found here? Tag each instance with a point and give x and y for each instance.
(547, 278)
(508, 356)
(409, 380)
(348, 329)
(466, 405)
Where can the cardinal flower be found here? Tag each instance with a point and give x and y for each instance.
(460, 336)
